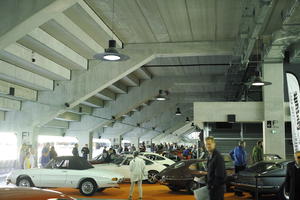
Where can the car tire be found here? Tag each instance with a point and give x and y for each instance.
(87, 187)
(24, 181)
(152, 177)
(100, 189)
(174, 188)
(282, 194)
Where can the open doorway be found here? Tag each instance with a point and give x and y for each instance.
(99, 145)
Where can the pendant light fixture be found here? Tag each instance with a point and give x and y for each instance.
(178, 112)
(160, 96)
(111, 53)
(258, 82)
(187, 120)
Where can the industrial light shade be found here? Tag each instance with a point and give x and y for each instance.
(160, 96)
(111, 53)
(187, 120)
(178, 112)
(258, 82)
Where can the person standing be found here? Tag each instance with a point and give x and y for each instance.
(137, 173)
(22, 155)
(45, 155)
(132, 149)
(257, 152)
(53, 153)
(239, 156)
(85, 151)
(75, 150)
(216, 173)
(292, 180)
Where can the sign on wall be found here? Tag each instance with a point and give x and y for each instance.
(294, 92)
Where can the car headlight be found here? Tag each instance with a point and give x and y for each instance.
(114, 179)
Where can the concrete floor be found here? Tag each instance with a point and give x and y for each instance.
(151, 192)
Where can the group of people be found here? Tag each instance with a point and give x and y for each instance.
(49, 153)
(216, 173)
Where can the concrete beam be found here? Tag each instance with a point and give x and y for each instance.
(143, 73)
(20, 92)
(19, 55)
(9, 104)
(130, 81)
(2, 115)
(69, 117)
(57, 124)
(94, 102)
(82, 110)
(118, 88)
(36, 14)
(205, 48)
(11, 73)
(79, 33)
(46, 45)
(107, 95)
(88, 20)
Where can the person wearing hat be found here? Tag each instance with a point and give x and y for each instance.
(137, 173)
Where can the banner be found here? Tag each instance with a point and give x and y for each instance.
(293, 89)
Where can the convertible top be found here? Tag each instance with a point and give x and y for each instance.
(75, 162)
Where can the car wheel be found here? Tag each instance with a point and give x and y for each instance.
(282, 195)
(152, 179)
(88, 187)
(24, 182)
(100, 189)
(174, 188)
(191, 186)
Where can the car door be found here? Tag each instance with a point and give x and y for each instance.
(123, 168)
(55, 176)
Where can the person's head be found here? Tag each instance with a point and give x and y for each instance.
(52, 148)
(135, 154)
(76, 145)
(297, 157)
(86, 145)
(210, 143)
(259, 143)
(242, 143)
(47, 145)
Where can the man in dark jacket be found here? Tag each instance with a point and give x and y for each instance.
(293, 178)
(216, 173)
(85, 151)
(75, 150)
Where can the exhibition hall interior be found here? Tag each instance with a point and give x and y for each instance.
(149, 99)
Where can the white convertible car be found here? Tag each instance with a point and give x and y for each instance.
(67, 171)
(121, 165)
(158, 158)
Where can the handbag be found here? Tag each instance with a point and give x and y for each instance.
(201, 193)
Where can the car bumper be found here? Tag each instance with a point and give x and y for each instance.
(8, 181)
(109, 185)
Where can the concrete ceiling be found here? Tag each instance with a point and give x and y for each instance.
(190, 48)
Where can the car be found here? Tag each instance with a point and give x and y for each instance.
(173, 156)
(67, 171)
(158, 158)
(270, 157)
(100, 159)
(121, 165)
(21, 193)
(181, 175)
(245, 180)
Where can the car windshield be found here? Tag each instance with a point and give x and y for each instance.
(264, 167)
(118, 160)
(178, 165)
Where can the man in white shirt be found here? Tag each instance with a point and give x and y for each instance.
(137, 173)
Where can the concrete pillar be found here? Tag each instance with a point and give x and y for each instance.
(273, 97)
(85, 138)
